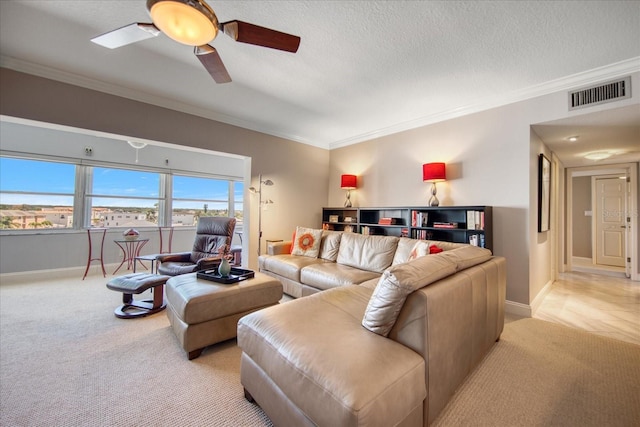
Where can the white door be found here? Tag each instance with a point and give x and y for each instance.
(610, 221)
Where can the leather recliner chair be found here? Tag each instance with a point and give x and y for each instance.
(212, 243)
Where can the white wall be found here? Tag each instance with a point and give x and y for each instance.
(492, 159)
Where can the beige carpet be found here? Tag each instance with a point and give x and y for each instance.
(65, 360)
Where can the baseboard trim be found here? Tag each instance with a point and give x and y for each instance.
(55, 273)
(518, 309)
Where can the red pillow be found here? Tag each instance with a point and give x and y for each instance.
(433, 249)
(293, 239)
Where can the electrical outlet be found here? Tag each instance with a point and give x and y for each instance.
(88, 151)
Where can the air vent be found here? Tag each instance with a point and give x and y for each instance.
(607, 92)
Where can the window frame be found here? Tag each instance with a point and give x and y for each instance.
(83, 192)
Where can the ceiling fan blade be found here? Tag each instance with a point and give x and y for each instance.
(260, 36)
(126, 35)
(213, 63)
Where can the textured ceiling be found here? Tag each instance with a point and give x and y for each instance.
(364, 68)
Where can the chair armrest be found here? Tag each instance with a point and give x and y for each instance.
(208, 263)
(279, 248)
(177, 257)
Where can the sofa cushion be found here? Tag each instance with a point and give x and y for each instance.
(405, 245)
(371, 253)
(330, 275)
(399, 281)
(350, 378)
(467, 256)
(329, 245)
(307, 242)
(288, 266)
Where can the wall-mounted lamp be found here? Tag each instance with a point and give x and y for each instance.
(261, 203)
(348, 182)
(434, 172)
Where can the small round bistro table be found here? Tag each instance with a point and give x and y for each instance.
(130, 250)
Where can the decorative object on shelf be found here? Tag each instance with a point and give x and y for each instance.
(434, 172)
(348, 182)
(131, 234)
(544, 193)
(334, 218)
(348, 219)
(261, 203)
(224, 268)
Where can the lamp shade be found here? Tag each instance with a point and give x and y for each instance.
(434, 172)
(349, 182)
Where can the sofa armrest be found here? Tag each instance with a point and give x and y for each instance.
(176, 257)
(279, 248)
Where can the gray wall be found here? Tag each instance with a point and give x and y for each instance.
(300, 172)
(581, 222)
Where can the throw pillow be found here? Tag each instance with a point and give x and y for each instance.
(307, 242)
(396, 283)
(293, 240)
(433, 249)
(419, 249)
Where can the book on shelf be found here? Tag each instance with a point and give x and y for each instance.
(419, 219)
(390, 221)
(404, 232)
(365, 230)
(421, 234)
(475, 220)
(445, 225)
(477, 240)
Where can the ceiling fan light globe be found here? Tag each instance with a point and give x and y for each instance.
(186, 21)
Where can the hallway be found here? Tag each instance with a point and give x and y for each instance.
(601, 304)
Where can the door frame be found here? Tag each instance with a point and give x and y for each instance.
(596, 214)
(631, 169)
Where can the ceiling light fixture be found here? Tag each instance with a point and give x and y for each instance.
(190, 22)
(598, 155)
(573, 138)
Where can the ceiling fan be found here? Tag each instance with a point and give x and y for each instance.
(193, 22)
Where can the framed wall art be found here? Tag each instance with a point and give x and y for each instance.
(544, 193)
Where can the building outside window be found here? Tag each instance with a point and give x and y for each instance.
(36, 194)
(41, 194)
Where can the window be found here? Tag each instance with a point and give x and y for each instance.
(122, 198)
(194, 197)
(36, 194)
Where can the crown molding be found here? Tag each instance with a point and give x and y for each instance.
(140, 96)
(574, 81)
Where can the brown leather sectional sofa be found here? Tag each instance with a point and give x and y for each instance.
(389, 350)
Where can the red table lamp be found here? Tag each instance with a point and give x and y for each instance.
(348, 182)
(434, 172)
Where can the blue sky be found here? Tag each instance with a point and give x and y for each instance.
(48, 177)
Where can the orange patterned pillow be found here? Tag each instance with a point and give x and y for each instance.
(307, 242)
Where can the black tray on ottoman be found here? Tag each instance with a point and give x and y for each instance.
(235, 275)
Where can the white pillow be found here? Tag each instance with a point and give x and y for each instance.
(307, 242)
(396, 283)
(419, 249)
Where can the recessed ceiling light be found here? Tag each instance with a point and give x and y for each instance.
(598, 155)
(572, 138)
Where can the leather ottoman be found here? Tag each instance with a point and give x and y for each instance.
(202, 312)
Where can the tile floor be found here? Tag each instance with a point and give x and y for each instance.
(599, 303)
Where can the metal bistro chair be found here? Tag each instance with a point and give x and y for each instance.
(98, 233)
(166, 237)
